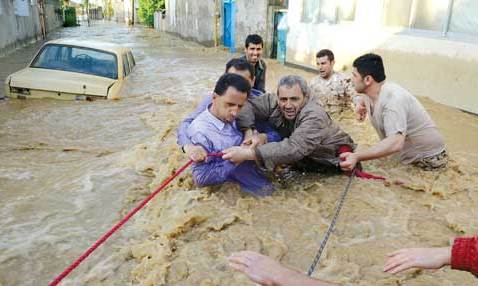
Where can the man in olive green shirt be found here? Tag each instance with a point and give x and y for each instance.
(311, 138)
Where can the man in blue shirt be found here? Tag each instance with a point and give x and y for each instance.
(197, 153)
(215, 130)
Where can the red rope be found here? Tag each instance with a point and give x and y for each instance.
(122, 222)
(359, 173)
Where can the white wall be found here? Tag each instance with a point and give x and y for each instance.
(427, 64)
(17, 30)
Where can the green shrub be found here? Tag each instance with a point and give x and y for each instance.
(70, 17)
(147, 8)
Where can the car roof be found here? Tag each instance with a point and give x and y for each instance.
(105, 46)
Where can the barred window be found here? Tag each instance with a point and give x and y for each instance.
(430, 14)
(328, 11)
(464, 17)
(416, 14)
(310, 11)
(397, 13)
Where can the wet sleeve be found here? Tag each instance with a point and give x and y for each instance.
(302, 142)
(394, 119)
(257, 108)
(183, 138)
(269, 130)
(213, 173)
(464, 254)
(198, 138)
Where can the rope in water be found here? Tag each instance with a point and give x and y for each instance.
(105, 236)
(339, 206)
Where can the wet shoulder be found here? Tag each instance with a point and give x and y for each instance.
(392, 93)
(341, 76)
(318, 80)
(313, 109)
(201, 122)
(265, 99)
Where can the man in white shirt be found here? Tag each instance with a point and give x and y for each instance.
(402, 123)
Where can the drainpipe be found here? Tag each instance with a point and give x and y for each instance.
(41, 11)
(446, 24)
(132, 12)
(217, 15)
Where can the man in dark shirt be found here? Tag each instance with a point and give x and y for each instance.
(253, 54)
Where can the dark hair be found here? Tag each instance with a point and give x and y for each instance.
(325, 53)
(372, 65)
(254, 39)
(240, 65)
(234, 80)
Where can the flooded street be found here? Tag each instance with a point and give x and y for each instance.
(70, 170)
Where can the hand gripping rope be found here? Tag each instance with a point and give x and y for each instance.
(118, 225)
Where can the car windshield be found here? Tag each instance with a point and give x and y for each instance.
(77, 59)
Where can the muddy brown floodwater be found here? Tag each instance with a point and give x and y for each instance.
(69, 170)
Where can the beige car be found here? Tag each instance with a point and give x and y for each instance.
(73, 70)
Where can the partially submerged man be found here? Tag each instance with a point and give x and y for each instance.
(402, 123)
(215, 130)
(197, 153)
(334, 90)
(253, 54)
(312, 141)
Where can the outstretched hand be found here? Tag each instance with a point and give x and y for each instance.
(266, 271)
(424, 258)
(238, 154)
(255, 140)
(348, 161)
(259, 268)
(195, 152)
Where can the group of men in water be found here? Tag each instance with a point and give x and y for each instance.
(240, 132)
(292, 129)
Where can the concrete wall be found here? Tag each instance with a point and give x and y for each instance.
(251, 18)
(427, 64)
(119, 14)
(53, 15)
(17, 31)
(194, 20)
(191, 19)
(122, 11)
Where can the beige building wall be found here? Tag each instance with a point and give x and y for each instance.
(425, 62)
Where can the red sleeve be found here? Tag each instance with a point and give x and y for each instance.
(464, 254)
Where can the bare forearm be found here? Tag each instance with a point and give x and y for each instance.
(384, 148)
(294, 278)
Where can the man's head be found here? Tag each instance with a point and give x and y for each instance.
(367, 70)
(229, 96)
(292, 94)
(241, 67)
(253, 49)
(325, 62)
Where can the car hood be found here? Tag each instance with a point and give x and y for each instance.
(61, 81)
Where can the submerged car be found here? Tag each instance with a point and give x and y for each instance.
(73, 70)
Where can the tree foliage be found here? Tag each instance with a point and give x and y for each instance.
(147, 8)
(108, 9)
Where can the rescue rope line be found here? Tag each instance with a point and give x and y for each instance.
(339, 206)
(105, 236)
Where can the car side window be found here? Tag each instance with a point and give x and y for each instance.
(77, 59)
(132, 62)
(126, 67)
